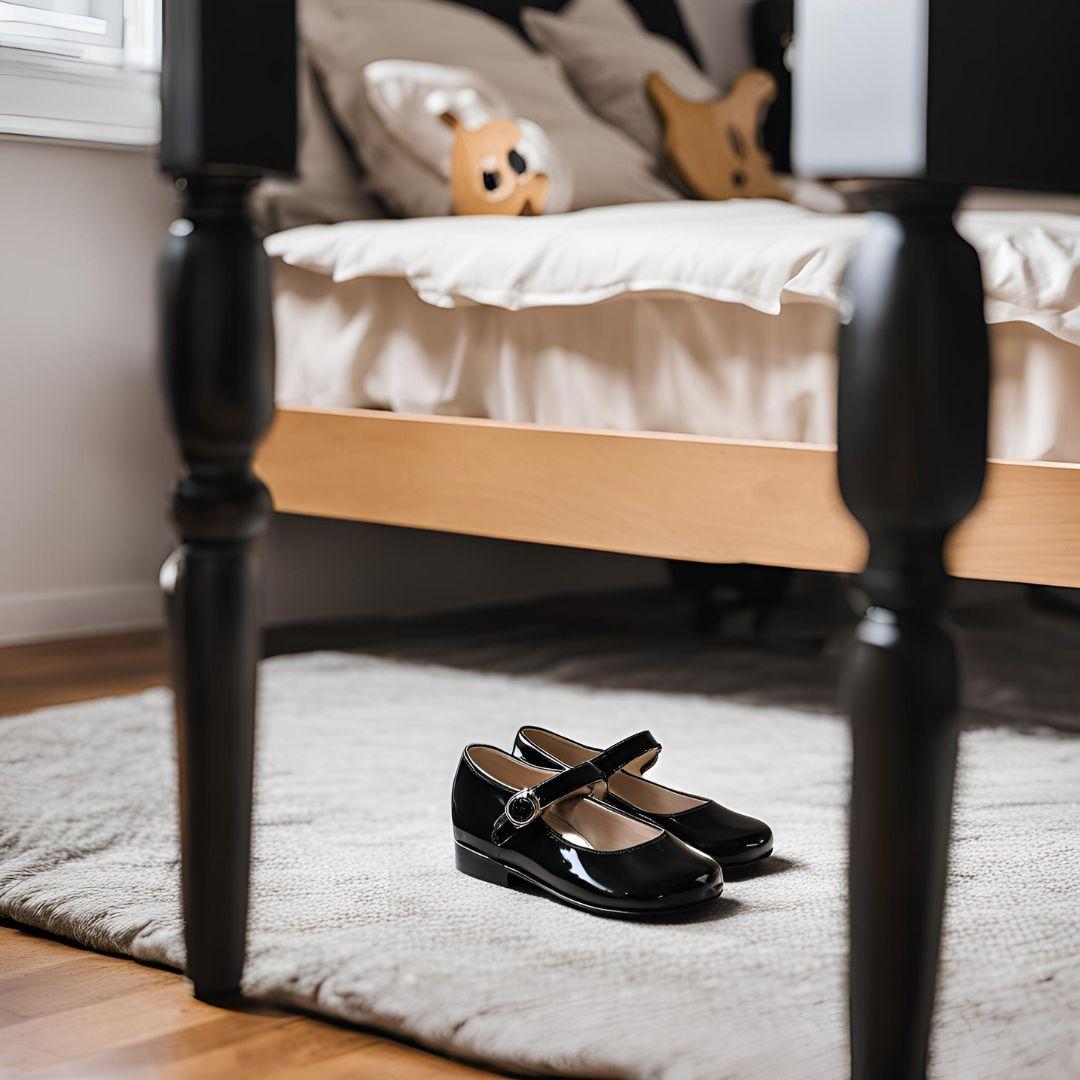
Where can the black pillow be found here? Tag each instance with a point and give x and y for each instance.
(660, 16)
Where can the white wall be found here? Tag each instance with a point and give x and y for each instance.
(85, 460)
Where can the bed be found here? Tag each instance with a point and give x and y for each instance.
(904, 341)
(717, 321)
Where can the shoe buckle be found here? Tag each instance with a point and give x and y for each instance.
(522, 808)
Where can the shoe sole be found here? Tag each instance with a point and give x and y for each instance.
(480, 866)
(740, 862)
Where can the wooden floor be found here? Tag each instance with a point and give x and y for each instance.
(69, 1012)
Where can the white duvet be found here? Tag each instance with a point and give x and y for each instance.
(761, 254)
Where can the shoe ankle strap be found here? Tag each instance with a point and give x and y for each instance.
(640, 751)
(525, 806)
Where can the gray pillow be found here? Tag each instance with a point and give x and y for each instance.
(608, 55)
(330, 185)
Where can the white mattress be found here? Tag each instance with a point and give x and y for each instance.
(716, 319)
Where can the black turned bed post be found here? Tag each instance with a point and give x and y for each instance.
(228, 117)
(908, 98)
(913, 397)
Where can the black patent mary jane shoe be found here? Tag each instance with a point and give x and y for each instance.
(732, 839)
(515, 822)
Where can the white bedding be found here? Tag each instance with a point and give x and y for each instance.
(635, 363)
(716, 319)
(758, 253)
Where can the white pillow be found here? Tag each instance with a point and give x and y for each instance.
(344, 36)
(410, 98)
(608, 55)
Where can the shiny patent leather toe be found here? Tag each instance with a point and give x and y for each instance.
(515, 822)
(731, 838)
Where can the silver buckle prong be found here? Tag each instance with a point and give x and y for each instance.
(527, 798)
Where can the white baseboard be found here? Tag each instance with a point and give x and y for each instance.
(68, 613)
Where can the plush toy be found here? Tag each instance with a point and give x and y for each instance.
(443, 140)
(490, 171)
(713, 147)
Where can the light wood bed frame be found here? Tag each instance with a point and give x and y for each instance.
(642, 493)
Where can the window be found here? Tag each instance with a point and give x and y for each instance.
(83, 29)
(82, 70)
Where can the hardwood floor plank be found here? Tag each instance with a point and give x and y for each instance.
(300, 1046)
(176, 1054)
(58, 672)
(8, 1017)
(119, 1021)
(23, 1060)
(383, 1059)
(82, 981)
(23, 952)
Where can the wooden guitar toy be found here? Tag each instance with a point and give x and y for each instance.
(713, 146)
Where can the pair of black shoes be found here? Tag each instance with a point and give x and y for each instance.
(584, 826)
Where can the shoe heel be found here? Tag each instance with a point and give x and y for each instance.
(479, 866)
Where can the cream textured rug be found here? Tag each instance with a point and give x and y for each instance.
(358, 912)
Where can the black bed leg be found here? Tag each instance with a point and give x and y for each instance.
(228, 117)
(218, 357)
(214, 641)
(912, 449)
(901, 693)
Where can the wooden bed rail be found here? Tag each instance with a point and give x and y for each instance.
(642, 493)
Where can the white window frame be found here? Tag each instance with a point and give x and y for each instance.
(93, 94)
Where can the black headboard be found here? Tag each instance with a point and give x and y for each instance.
(660, 16)
(771, 34)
